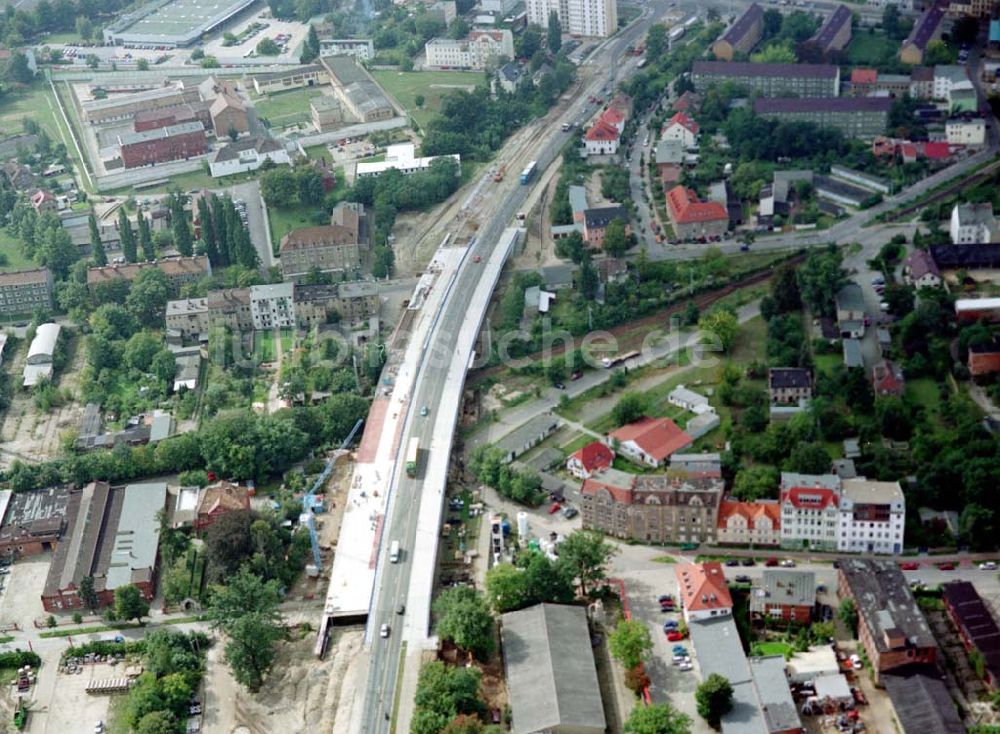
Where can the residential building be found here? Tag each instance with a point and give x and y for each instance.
(973, 224)
(229, 115)
(856, 117)
(887, 378)
(789, 384)
(850, 302)
(972, 8)
(749, 523)
(509, 76)
(189, 316)
(326, 113)
(187, 364)
(649, 441)
(742, 35)
(601, 138)
(922, 82)
(976, 626)
(217, 500)
(968, 257)
(25, 291)
(984, 359)
(179, 271)
(597, 219)
(353, 302)
(927, 28)
(167, 116)
(588, 18)
(809, 511)
(921, 701)
(669, 161)
(703, 591)
(329, 248)
(965, 132)
(652, 508)
(113, 537)
(42, 201)
(871, 516)
(550, 672)
(782, 595)
(699, 466)
(41, 354)
(948, 77)
(401, 157)
(692, 218)
(920, 270)
(835, 32)
(361, 49)
(583, 462)
(32, 522)
(722, 193)
(160, 145)
(682, 128)
(891, 627)
(769, 80)
(689, 400)
(476, 51)
(272, 306)
(230, 308)
(361, 97)
(248, 154)
(293, 78)
(20, 176)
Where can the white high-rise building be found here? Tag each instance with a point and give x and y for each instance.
(872, 515)
(594, 18)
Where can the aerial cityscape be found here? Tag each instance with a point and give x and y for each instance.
(484, 366)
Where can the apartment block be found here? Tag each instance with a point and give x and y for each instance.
(159, 145)
(179, 271)
(770, 80)
(871, 517)
(23, 291)
(590, 18)
(475, 51)
(742, 35)
(273, 306)
(856, 117)
(189, 316)
(330, 248)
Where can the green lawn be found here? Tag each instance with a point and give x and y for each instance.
(868, 49)
(924, 392)
(772, 648)
(71, 37)
(286, 108)
(827, 362)
(283, 221)
(432, 85)
(10, 249)
(266, 349)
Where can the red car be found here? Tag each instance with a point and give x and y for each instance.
(675, 636)
(476, 258)
(554, 508)
(947, 567)
(771, 561)
(909, 566)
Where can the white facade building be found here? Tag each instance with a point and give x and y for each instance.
(273, 306)
(809, 514)
(947, 76)
(972, 224)
(593, 18)
(248, 154)
(360, 48)
(871, 517)
(401, 157)
(475, 51)
(965, 132)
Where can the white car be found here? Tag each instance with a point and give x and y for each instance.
(988, 566)
(686, 666)
(855, 662)
(681, 659)
(384, 630)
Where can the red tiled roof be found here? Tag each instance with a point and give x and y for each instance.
(602, 131)
(595, 455)
(810, 498)
(684, 121)
(937, 150)
(597, 482)
(864, 76)
(685, 208)
(613, 116)
(686, 101)
(751, 511)
(703, 586)
(908, 151)
(886, 377)
(658, 437)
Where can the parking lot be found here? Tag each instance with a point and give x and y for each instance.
(62, 702)
(288, 34)
(20, 599)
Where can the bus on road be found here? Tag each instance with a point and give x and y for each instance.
(412, 456)
(529, 172)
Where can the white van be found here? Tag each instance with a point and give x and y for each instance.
(394, 552)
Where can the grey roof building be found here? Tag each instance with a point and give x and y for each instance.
(525, 437)
(550, 671)
(774, 694)
(852, 353)
(835, 33)
(781, 586)
(922, 702)
(861, 117)
(769, 80)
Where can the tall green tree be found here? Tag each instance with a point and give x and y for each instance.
(586, 554)
(145, 239)
(630, 643)
(97, 253)
(130, 603)
(714, 698)
(179, 226)
(657, 718)
(465, 619)
(127, 237)
(209, 245)
(554, 33)
(147, 299)
(615, 242)
(88, 594)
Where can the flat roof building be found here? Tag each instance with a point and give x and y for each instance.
(769, 80)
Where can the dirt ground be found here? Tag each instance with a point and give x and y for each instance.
(73, 709)
(26, 434)
(20, 601)
(301, 695)
(539, 248)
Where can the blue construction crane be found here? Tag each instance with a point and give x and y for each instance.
(310, 503)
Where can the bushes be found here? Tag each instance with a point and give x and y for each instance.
(487, 465)
(19, 658)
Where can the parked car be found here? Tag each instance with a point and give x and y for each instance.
(665, 597)
(678, 659)
(787, 563)
(384, 630)
(670, 624)
(732, 562)
(570, 512)
(855, 662)
(680, 650)
(554, 508)
(748, 562)
(675, 636)
(400, 608)
(909, 566)
(743, 579)
(686, 666)
(771, 562)
(947, 566)
(424, 411)
(988, 566)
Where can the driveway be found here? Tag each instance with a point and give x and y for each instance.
(260, 234)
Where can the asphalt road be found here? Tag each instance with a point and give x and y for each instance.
(401, 523)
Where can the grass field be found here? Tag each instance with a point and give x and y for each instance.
(871, 49)
(772, 648)
(432, 85)
(286, 108)
(11, 250)
(827, 362)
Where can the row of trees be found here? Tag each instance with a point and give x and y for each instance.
(488, 464)
(224, 238)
